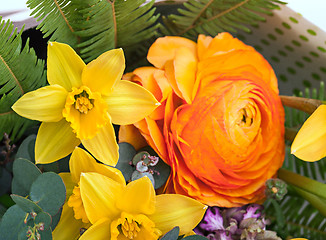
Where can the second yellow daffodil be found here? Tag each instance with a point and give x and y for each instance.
(73, 213)
(133, 211)
(81, 103)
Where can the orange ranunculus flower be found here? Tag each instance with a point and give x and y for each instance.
(220, 125)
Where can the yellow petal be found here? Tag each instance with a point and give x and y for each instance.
(100, 194)
(138, 197)
(177, 210)
(64, 66)
(101, 74)
(44, 104)
(310, 142)
(185, 66)
(54, 141)
(82, 161)
(62, 232)
(104, 146)
(129, 103)
(99, 231)
(69, 184)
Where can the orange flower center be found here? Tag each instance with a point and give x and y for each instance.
(86, 111)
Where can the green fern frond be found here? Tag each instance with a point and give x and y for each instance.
(211, 17)
(55, 17)
(16, 78)
(300, 219)
(104, 25)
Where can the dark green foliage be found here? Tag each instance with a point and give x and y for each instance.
(16, 78)
(55, 17)
(172, 234)
(104, 25)
(211, 17)
(39, 208)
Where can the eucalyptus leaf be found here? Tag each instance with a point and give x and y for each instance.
(172, 234)
(161, 169)
(5, 181)
(126, 153)
(26, 149)
(136, 175)
(25, 173)
(49, 191)
(22, 234)
(25, 204)
(195, 237)
(140, 156)
(12, 222)
(46, 234)
(55, 219)
(45, 219)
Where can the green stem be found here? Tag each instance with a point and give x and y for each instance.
(318, 203)
(304, 183)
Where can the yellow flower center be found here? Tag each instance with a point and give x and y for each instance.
(83, 104)
(130, 228)
(137, 227)
(76, 203)
(86, 111)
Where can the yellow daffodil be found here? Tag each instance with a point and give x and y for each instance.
(310, 142)
(81, 102)
(133, 211)
(73, 213)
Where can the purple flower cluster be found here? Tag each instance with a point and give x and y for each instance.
(245, 222)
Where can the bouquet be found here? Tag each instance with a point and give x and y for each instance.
(157, 120)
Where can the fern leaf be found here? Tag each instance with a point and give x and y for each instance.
(20, 72)
(213, 16)
(301, 219)
(55, 17)
(104, 25)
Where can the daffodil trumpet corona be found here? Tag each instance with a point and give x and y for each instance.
(80, 104)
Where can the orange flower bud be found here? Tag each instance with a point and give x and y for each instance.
(220, 125)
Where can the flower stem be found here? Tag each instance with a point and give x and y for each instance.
(318, 203)
(309, 185)
(304, 104)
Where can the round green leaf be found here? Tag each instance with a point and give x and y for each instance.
(161, 173)
(22, 235)
(46, 234)
(25, 204)
(140, 156)
(172, 234)
(55, 219)
(161, 169)
(49, 191)
(195, 237)
(126, 153)
(27, 148)
(43, 218)
(12, 222)
(5, 181)
(25, 173)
